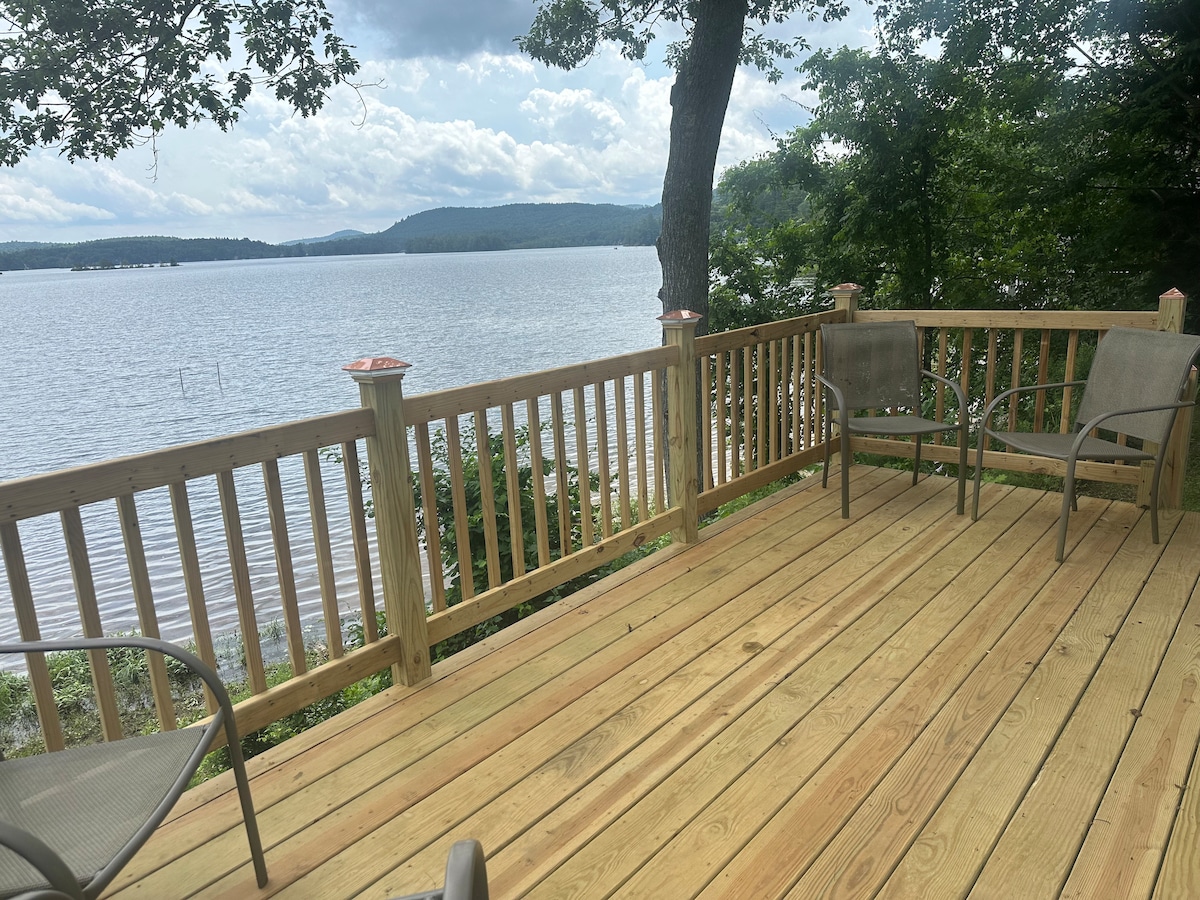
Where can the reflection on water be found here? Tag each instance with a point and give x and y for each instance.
(102, 364)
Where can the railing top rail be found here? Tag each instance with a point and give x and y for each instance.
(1012, 318)
(36, 495)
(423, 408)
(771, 331)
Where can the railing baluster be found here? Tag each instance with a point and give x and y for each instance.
(487, 497)
(735, 420)
(89, 615)
(1018, 339)
(1065, 421)
(639, 438)
(562, 483)
(27, 625)
(658, 382)
(781, 372)
(622, 415)
(326, 579)
(706, 425)
(809, 394)
(243, 595)
(512, 484)
(942, 369)
(583, 460)
(748, 416)
(605, 475)
(722, 415)
(762, 452)
(462, 534)
(362, 547)
(284, 568)
(1043, 376)
(429, 515)
(538, 465)
(185, 538)
(143, 599)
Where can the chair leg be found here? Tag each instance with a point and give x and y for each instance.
(1154, 499)
(845, 435)
(1067, 504)
(962, 470)
(238, 764)
(825, 470)
(917, 461)
(981, 439)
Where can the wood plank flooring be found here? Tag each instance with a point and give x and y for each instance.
(904, 704)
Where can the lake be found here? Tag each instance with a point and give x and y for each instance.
(100, 364)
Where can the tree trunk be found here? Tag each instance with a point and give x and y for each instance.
(699, 98)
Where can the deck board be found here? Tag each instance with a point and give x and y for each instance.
(902, 704)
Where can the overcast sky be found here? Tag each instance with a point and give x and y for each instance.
(460, 119)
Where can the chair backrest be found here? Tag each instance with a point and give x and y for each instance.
(1133, 368)
(876, 364)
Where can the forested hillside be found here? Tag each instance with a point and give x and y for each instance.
(519, 226)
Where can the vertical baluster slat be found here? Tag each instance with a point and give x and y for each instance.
(1069, 375)
(512, 484)
(706, 443)
(284, 568)
(326, 578)
(462, 534)
(1018, 340)
(639, 438)
(989, 375)
(242, 593)
(806, 393)
(362, 547)
(143, 600)
(429, 515)
(27, 625)
(735, 408)
(658, 381)
(193, 583)
(537, 463)
(1043, 376)
(584, 462)
(602, 461)
(622, 415)
(722, 416)
(785, 400)
(562, 483)
(89, 615)
(487, 498)
(748, 412)
(940, 389)
(768, 416)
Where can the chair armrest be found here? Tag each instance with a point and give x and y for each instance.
(46, 861)
(1004, 395)
(838, 397)
(1096, 422)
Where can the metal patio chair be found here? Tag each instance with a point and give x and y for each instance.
(877, 366)
(73, 818)
(1134, 388)
(466, 875)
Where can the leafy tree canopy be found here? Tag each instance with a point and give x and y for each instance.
(93, 77)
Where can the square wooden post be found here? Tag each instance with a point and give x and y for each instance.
(679, 330)
(1171, 308)
(395, 514)
(845, 297)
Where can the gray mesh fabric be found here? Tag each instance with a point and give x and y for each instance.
(1136, 368)
(83, 802)
(877, 365)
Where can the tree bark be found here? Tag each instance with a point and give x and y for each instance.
(699, 98)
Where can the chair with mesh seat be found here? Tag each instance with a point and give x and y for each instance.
(876, 366)
(1133, 388)
(70, 820)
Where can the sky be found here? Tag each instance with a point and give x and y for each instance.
(451, 115)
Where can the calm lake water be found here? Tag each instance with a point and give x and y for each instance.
(101, 364)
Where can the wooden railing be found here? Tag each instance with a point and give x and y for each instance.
(502, 491)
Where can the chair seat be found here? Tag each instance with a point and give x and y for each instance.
(897, 425)
(1058, 446)
(83, 803)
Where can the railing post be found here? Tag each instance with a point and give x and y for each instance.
(679, 330)
(395, 514)
(845, 297)
(1171, 308)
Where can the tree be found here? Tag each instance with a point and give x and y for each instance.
(720, 35)
(93, 77)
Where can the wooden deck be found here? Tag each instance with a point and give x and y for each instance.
(904, 704)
